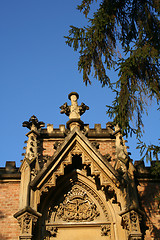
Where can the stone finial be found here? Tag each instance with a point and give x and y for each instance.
(74, 111)
(32, 144)
(33, 123)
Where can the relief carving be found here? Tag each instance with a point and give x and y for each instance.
(95, 170)
(106, 230)
(130, 221)
(97, 198)
(134, 218)
(126, 222)
(34, 172)
(87, 159)
(77, 207)
(47, 158)
(26, 223)
(52, 231)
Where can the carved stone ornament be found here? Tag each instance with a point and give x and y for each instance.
(77, 207)
(97, 198)
(106, 230)
(132, 225)
(74, 111)
(52, 231)
(134, 219)
(26, 222)
(26, 225)
(33, 123)
(126, 222)
(34, 172)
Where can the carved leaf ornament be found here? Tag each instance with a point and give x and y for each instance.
(77, 207)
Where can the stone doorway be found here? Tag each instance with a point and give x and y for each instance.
(81, 232)
(74, 211)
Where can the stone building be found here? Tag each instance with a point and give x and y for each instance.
(77, 183)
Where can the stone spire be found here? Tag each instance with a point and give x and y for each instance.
(74, 111)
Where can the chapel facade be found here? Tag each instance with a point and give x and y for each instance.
(77, 182)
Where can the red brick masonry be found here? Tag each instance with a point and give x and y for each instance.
(9, 205)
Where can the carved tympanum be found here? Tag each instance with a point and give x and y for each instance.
(77, 207)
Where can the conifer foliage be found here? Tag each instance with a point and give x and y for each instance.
(123, 35)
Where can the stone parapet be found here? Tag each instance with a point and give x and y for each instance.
(10, 171)
(145, 173)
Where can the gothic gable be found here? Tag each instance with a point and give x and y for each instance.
(75, 190)
(75, 144)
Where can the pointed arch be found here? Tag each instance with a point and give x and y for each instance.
(76, 203)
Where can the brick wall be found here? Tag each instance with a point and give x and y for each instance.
(9, 205)
(148, 192)
(107, 147)
(104, 147)
(48, 146)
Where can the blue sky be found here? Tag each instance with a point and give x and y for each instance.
(38, 71)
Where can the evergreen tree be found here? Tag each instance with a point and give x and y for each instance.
(123, 35)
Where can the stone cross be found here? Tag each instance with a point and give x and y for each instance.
(74, 111)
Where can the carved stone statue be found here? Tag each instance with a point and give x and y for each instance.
(74, 111)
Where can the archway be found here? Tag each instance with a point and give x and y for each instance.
(75, 210)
